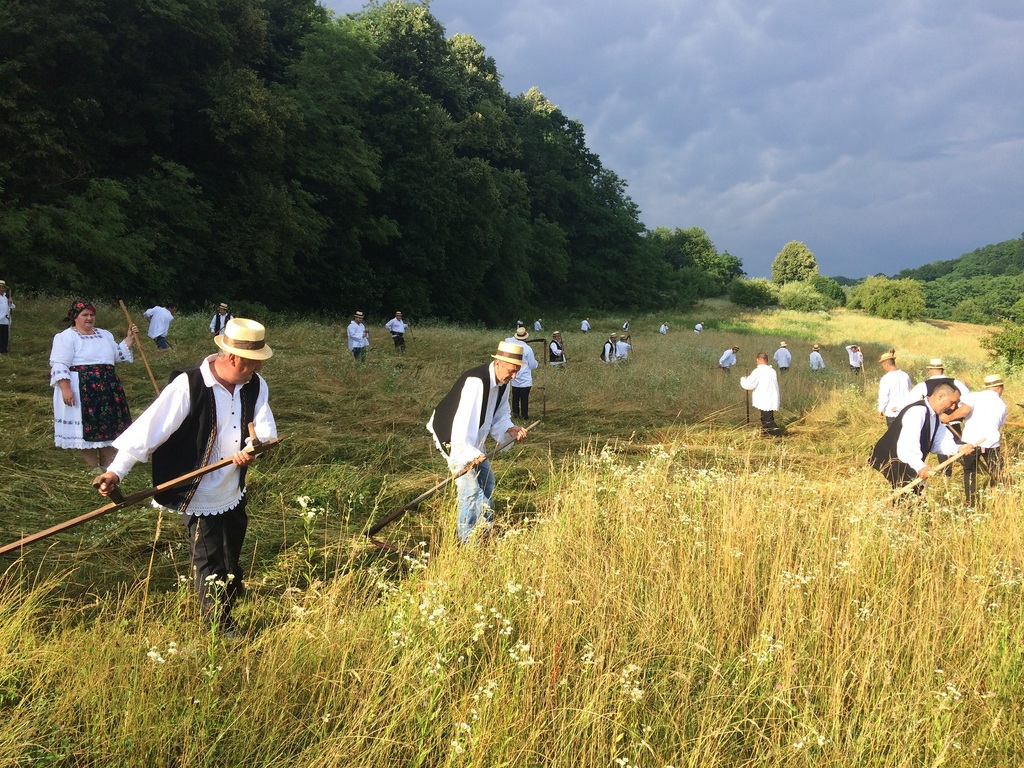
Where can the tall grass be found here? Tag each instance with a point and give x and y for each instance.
(665, 588)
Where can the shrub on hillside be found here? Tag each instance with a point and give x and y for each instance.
(1007, 346)
(892, 299)
(803, 297)
(826, 286)
(753, 293)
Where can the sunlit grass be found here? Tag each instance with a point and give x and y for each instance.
(665, 588)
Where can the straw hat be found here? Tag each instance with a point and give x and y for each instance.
(521, 333)
(783, 344)
(244, 338)
(557, 333)
(222, 305)
(936, 364)
(815, 348)
(735, 349)
(994, 380)
(358, 315)
(890, 355)
(3, 284)
(509, 353)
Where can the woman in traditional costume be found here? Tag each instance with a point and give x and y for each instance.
(89, 405)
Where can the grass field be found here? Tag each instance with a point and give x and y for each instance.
(665, 587)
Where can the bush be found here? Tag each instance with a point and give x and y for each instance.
(826, 286)
(753, 293)
(893, 299)
(1007, 346)
(803, 297)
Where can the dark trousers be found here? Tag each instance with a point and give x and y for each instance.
(855, 368)
(992, 459)
(521, 402)
(359, 353)
(215, 548)
(768, 425)
(899, 474)
(5, 338)
(399, 339)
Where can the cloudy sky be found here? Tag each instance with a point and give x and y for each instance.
(882, 133)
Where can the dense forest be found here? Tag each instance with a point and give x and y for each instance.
(983, 286)
(209, 150)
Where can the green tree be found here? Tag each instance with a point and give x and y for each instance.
(794, 262)
(893, 299)
(753, 293)
(1007, 346)
(829, 287)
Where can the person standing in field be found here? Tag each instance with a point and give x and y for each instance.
(783, 358)
(763, 383)
(856, 358)
(609, 350)
(5, 319)
(200, 418)
(816, 360)
(985, 414)
(585, 325)
(396, 327)
(220, 319)
(475, 407)
(556, 350)
(698, 327)
(89, 405)
(522, 382)
(728, 359)
(893, 387)
(937, 370)
(358, 337)
(623, 348)
(664, 329)
(537, 327)
(917, 431)
(160, 323)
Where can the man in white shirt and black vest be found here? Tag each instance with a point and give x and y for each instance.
(475, 407)
(201, 418)
(917, 431)
(556, 350)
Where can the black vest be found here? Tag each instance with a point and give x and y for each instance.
(190, 446)
(444, 413)
(884, 454)
(556, 357)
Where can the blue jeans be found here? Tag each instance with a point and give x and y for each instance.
(161, 342)
(475, 490)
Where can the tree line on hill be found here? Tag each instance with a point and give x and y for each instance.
(210, 150)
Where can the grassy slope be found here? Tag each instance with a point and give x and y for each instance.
(676, 591)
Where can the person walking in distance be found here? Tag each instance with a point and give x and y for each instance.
(160, 324)
(783, 358)
(893, 387)
(816, 361)
(358, 337)
(220, 319)
(556, 350)
(522, 382)
(856, 358)
(396, 327)
(728, 359)
(608, 351)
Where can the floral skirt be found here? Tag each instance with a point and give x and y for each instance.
(100, 412)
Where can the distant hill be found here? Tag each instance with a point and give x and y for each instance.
(983, 286)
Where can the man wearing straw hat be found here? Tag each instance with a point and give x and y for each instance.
(937, 370)
(219, 320)
(817, 362)
(200, 418)
(783, 358)
(728, 359)
(396, 327)
(475, 407)
(985, 414)
(893, 387)
(358, 337)
(522, 382)
(917, 431)
(556, 350)
(609, 352)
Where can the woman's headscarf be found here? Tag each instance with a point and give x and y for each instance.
(76, 309)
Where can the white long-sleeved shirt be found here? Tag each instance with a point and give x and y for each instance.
(664, 328)
(5, 309)
(555, 349)
(783, 357)
(468, 435)
(73, 348)
(537, 326)
(893, 391)
(524, 378)
(920, 390)
(622, 349)
(396, 326)
(357, 336)
(908, 445)
(159, 321)
(856, 356)
(817, 361)
(763, 382)
(987, 417)
(218, 491)
(218, 328)
(728, 359)
(585, 326)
